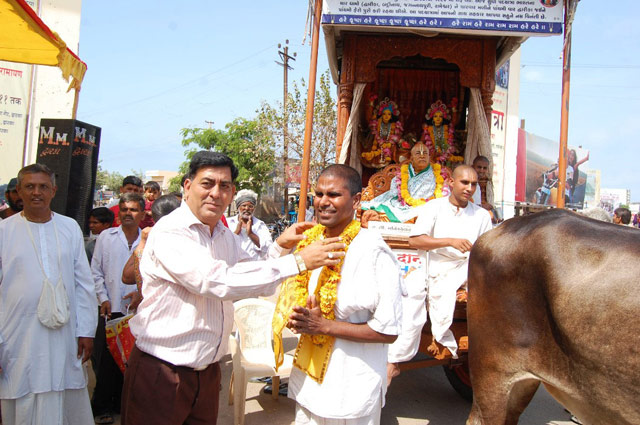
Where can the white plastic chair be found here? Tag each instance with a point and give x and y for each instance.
(252, 352)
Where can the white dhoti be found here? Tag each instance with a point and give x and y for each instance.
(414, 316)
(305, 417)
(68, 407)
(442, 288)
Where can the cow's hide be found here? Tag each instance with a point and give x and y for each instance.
(555, 298)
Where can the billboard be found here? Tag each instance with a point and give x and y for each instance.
(499, 130)
(537, 179)
(530, 17)
(15, 79)
(610, 199)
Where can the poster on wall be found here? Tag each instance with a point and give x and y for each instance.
(532, 17)
(540, 172)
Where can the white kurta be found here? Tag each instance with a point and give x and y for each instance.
(34, 358)
(109, 257)
(447, 267)
(477, 196)
(259, 228)
(370, 290)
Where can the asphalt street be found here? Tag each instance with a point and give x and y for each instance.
(416, 397)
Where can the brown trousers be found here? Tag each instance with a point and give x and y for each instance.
(157, 392)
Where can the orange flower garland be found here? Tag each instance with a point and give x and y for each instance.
(404, 186)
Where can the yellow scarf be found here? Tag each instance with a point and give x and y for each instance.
(313, 351)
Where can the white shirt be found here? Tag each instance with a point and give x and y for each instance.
(190, 278)
(477, 196)
(439, 218)
(369, 292)
(34, 358)
(259, 228)
(109, 257)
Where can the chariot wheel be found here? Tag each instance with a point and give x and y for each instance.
(458, 377)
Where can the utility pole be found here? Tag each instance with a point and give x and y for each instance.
(284, 56)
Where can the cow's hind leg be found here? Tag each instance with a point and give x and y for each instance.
(501, 403)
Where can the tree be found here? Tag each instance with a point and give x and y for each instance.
(110, 180)
(323, 143)
(247, 142)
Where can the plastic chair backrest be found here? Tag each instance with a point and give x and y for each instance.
(253, 318)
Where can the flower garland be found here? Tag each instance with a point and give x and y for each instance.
(327, 289)
(405, 197)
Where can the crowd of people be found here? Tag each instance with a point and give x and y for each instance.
(179, 263)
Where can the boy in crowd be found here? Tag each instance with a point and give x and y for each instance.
(100, 219)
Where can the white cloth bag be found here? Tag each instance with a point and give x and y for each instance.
(53, 306)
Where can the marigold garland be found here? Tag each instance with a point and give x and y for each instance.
(405, 197)
(327, 288)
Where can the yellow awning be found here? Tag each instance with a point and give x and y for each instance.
(25, 38)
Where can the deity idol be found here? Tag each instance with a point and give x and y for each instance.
(386, 130)
(419, 181)
(438, 133)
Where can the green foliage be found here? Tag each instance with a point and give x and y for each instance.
(247, 142)
(252, 143)
(110, 180)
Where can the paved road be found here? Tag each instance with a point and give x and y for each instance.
(417, 397)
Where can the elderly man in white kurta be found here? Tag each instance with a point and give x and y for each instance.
(447, 228)
(43, 343)
(253, 232)
(344, 383)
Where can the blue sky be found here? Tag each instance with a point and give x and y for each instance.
(156, 67)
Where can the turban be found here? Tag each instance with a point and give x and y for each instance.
(246, 195)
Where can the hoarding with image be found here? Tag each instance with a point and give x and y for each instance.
(538, 172)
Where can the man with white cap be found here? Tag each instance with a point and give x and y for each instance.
(254, 233)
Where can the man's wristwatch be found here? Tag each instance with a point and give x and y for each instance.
(302, 267)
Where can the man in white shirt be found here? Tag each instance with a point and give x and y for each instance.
(481, 165)
(113, 248)
(254, 233)
(45, 336)
(350, 388)
(192, 269)
(447, 228)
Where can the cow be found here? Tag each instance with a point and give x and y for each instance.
(554, 297)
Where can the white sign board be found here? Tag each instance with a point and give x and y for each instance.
(494, 16)
(14, 95)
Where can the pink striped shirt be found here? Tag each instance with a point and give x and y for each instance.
(190, 279)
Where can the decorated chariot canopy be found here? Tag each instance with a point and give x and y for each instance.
(513, 21)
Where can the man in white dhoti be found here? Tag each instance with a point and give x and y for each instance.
(447, 228)
(47, 310)
(340, 363)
